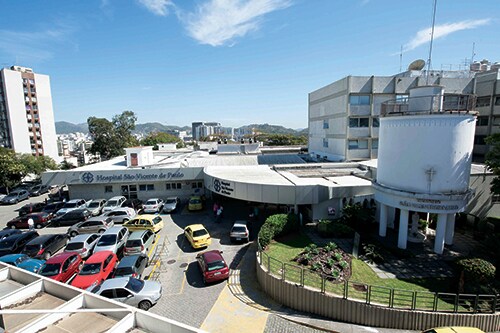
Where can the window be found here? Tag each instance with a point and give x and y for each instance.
(173, 186)
(325, 124)
(375, 144)
(146, 187)
(358, 144)
(375, 122)
(497, 100)
(482, 121)
(107, 293)
(359, 99)
(483, 101)
(325, 143)
(108, 188)
(479, 140)
(358, 122)
(195, 185)
(495, 198)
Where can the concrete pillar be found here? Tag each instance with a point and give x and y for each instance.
(382, 228)
(403, 228)
(440, 231)
(450, 229)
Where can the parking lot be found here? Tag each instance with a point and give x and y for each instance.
(185, 297)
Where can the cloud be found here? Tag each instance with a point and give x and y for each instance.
(157, 7)
(219, 22)
(424, 36)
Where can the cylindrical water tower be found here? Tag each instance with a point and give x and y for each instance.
(424, 161)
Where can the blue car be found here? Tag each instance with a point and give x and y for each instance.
(23, 261)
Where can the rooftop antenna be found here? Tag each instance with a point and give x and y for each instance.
(432, 39)
(473, 52)
(401, 59)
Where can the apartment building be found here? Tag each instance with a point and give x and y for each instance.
(26, 113)
(205, 129)
(344, 115)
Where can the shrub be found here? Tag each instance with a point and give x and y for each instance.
(277, 225)
(372, 253)
(476, 270)
(329, 228)
(330, 246)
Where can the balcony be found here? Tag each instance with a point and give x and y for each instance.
(29, 118)
(33, 99)
(30, 126)
(434, 104)
(27, 99)
(32, 134)
(39, 142)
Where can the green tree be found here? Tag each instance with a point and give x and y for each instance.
(65, 165)
(282, 139)
(493, 160)
(37, 164)
(12, 170)
(124, 124)
(153, 139)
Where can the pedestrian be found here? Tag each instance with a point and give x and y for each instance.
(219, 214)
(31, 224)
(215, 208)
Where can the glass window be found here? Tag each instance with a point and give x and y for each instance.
(107, 293)
(483, 101)
(325, 143)
(359, 99)
(358, 144)
(482, 121)
(358, 122)
(495, 198)
(325, 124)
(108, 189)
(146, 187)
(479, 140)
(376, 122)
(497, 100)
(375, 144)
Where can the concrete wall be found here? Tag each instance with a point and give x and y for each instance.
(46, 112)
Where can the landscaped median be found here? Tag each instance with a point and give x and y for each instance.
(328, 282)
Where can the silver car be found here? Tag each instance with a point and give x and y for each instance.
(82, 244)
(15, 196)
(95, 206)
(97, 224)
(171, 204)
(121, 215)
(239, 232)
(71, 205)
(112, 240)
(153, 205)
(131, 291)
(114, 203)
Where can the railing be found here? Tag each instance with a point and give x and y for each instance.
(433, 104)
(380, 296)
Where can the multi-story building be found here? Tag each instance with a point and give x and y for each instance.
(26, 112)
(344, 115)
(205, 129)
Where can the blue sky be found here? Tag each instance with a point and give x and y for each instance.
(232, 61)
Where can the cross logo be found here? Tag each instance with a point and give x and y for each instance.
(217, 185)
(87, 177)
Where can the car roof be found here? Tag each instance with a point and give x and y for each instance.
(13, 256)
(98, 257)
(74, 200)
(10, 231)
(137, 234)
(80, 238)
(196, 226)
(114, 283)
(97, 218)
(145, 216)
(241, 223)
(42, 239)
(173, 198)
(60, 258)
(121, 209)
(213, 255)
(117, 197)
(153, 199)
(129, 260)
(113, 230)
(16, 236)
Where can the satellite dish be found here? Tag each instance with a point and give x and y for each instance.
(417, 65)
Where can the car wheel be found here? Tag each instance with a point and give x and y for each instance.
(145, 305)
(12, 226)
(46, 256)
(73, 234)
(38, 226)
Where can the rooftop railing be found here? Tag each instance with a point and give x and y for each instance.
(434, 104)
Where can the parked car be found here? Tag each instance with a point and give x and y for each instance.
(62, 267)
(71, 218)
(71, 205)
(31, 208)
(95, 206)
(239, 232)
(197, 236)
(41, 220)
(213, 266)
(96, 224)
(195, 203)
(143, 222)
(38, 190)
(114, 202)
(154, 205)
(131, 291)
(454, 329)
(171, 205)
(16, 243)
(23, 261)
(45, 245)
(96, 269)
(9, 232)
(53, 207)
(140, 241)
(135, 204)
(121, 215)
(113, 240)
(132, 266)
(82, 244)
(59, 192)
(15, 197)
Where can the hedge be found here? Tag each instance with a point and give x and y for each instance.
(277, 225)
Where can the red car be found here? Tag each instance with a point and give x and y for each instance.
(213, 266)
(41, 220)
(62, 267)
(96, 269)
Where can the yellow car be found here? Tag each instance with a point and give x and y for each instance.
(143, 222)
(454, 329)
(195, 203)
(197, 235)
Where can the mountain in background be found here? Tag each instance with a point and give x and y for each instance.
(64, 127)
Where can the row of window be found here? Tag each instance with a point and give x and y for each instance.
(486, 100)
(356, 122)
(485, 121)
(356, 144)
(151, 187)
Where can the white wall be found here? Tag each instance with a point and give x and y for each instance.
(46, 114)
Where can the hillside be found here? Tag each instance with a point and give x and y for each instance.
(274, 129)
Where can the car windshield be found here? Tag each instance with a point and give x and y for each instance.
(107, 240)
(50, 207)
(135, 285)
(94, 204)
(133, 243)
(239, 229)
(49, 269)
(111, 203)
(69, 205)
(151, 202)
(194, 201)
(121, 271)
(74, 246)
(21, 259)
(215, 265)
(90, 269)
(170, 201)
(32, 247)
(199, 233)
(156, 220)
(7, 243)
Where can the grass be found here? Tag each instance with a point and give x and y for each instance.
(285, 249)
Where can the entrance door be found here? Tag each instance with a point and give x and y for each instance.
(129, 191)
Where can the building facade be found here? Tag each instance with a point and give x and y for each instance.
(26, 113)
(344, 115)
(205, 129)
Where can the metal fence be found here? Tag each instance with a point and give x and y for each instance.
(380, 296)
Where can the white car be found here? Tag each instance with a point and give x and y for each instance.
(82, 244)
(71, 205)
(121, 215)
(95, 206)
(113, 203)
(112, 240)
(153, 205)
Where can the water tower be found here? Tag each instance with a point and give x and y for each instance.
(424, 161)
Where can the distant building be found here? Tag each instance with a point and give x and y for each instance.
(205, 129)
(26, 113)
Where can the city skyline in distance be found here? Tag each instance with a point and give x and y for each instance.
(240, 62)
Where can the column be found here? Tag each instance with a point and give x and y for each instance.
(440, 231)
(382, 228)
(403, 228)
(450, 229)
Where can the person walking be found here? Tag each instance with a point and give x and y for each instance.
(31, 224)
(215, 208)
(219, 214)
